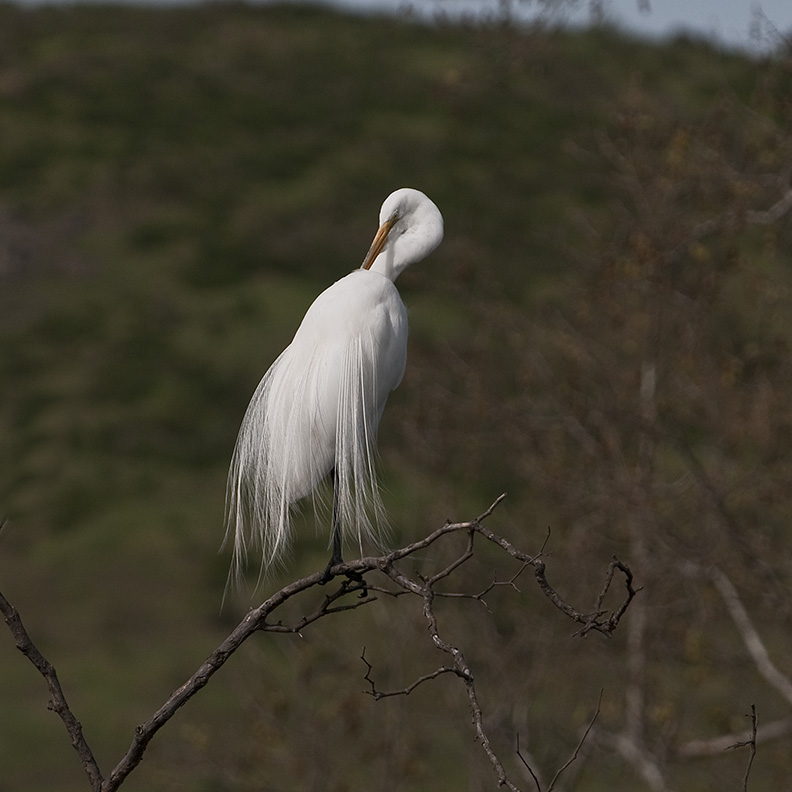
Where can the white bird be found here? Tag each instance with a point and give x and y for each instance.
(317, 410)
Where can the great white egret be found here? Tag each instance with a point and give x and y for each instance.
(316, 411)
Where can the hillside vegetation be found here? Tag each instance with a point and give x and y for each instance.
(604, 334)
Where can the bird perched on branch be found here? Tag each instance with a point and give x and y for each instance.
(316, 411)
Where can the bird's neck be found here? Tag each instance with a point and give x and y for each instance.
(384, 265)
(391, 262)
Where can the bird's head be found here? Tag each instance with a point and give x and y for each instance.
(411, 227)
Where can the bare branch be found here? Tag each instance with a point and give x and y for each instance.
(480, 596)
(590, 621)
(460, 667)
(569, 761)
(695, 749)
(528, 766)
(751, 638)
(405, 691)
(579, 745)
(751, 743)
(642, 761)
(772, 215)
(258, 620)
(57, 703)
(613, 620)
(253, 621)
(467, 555)
(347, 586)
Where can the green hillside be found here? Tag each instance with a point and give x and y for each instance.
(177, 185)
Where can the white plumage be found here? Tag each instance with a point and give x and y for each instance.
(317, 409)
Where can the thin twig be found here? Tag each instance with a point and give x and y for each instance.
(527, 765)
(405, 691)
(466, 556)
(569, 761)
(579, 745)
(751, 743)
(490, 586)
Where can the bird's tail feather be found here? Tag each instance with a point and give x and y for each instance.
(278, 459)
(361, 512)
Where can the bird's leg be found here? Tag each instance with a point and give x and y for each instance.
(336, 557)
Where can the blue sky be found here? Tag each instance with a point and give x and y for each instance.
(729, 22)
(733, 23)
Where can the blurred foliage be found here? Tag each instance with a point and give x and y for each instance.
(177, 184)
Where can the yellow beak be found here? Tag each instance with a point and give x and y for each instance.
(380, 238)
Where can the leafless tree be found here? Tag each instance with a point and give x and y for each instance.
(354, 591)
